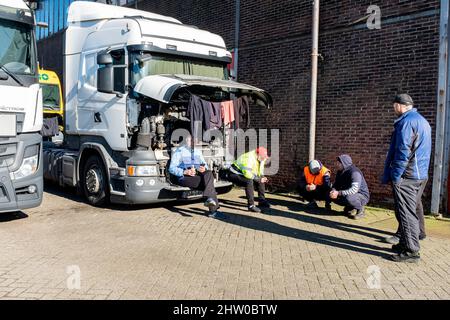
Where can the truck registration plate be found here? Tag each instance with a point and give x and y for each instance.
(7, 125)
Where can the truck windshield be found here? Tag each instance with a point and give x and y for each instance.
(16, 50)
(159, 64)
(50, 95)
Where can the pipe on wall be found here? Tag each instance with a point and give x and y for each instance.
(314, 64)
(441, 114)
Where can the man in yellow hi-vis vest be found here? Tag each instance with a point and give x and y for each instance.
(248, 171)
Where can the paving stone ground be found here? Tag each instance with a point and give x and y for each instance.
(175, 252)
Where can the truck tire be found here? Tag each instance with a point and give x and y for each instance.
(94, 182)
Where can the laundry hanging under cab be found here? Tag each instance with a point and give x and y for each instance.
(199, 112)
(205, 115)
(242, 112)
(227, 110)
(216, 115)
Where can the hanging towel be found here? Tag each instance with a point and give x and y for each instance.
(227, 109)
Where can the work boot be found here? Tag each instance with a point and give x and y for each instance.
(359, 214)
(254, 208)
(398, 248)
(264, 204)
(405, 256)
(392, 240)
(348, 212)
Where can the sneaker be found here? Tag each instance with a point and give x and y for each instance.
(312, 205)
(210, 203)
(254, 208)
(359, 214)
(217, 215)
(409, 257)
(422, 237)
(392, 240)
(264, 204)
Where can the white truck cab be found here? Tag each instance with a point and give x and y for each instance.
(128, 77)
(21, 182)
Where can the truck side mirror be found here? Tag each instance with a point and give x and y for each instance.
(104, 59)
(105, 79)
(105, 73)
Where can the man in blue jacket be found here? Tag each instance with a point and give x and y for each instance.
(406, 168)
(188, 168)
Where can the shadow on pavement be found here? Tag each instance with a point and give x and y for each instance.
(299, 208)
(63, 192)
(11, 216)
(257, 222)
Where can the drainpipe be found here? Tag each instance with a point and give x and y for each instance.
(236, 38)
(314, 63)
(439, 156)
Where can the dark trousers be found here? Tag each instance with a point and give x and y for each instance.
(249, 186)
(322, 193)
(420, 213)
(353, 201)
(407, 194)
(203, 182)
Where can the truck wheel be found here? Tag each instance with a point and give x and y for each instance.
(94, 182)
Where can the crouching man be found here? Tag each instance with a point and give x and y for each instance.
(188, 168)
(248, 171)
(315, 184)
(350, 188)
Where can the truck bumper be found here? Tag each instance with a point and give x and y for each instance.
(15, 194)
(140, 190)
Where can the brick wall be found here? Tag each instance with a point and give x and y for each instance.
(360, 72)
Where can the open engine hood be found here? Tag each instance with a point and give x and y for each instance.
(162, 87)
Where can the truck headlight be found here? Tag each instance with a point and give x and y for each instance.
(142, 171)
(28, 167)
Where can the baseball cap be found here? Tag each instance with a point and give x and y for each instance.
(315, 166)
(404, 99)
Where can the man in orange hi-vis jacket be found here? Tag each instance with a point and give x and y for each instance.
(315, 184)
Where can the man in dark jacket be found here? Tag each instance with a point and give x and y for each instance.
(350, 188)
(406, 168)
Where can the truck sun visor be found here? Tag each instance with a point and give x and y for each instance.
(162, 87)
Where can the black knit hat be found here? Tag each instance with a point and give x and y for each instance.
(404, 99)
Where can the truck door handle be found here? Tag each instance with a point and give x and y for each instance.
(97, 117)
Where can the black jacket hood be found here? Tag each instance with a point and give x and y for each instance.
(346, 161)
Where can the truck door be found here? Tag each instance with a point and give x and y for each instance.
(102, 114)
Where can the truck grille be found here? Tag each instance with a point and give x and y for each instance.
(8, 149)
(20, 118)
(7, 153)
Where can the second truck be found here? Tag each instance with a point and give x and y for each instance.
(21, 183)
